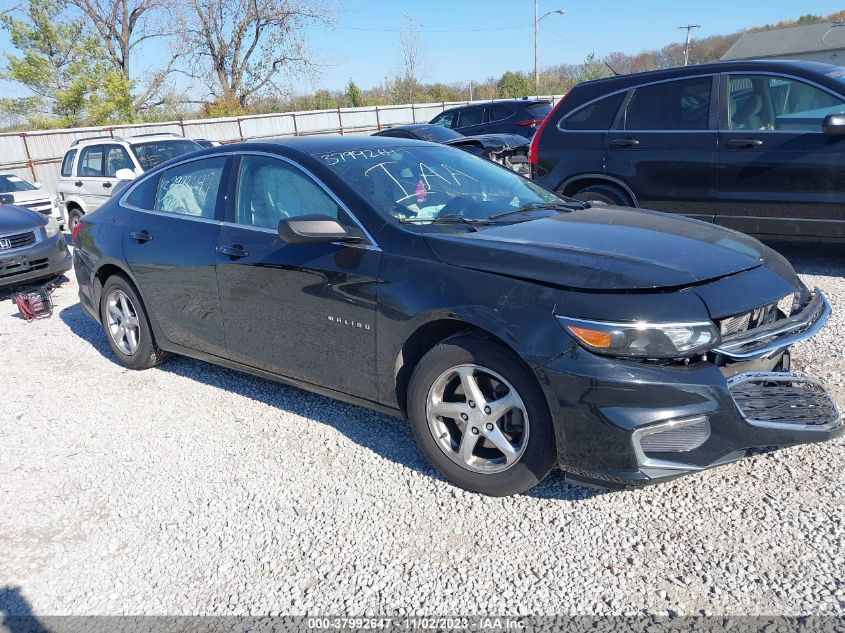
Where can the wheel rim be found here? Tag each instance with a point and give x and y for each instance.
(122, 321)
(74, 220)
(477, 418)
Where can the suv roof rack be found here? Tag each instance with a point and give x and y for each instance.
(157, 134)
(77, 141)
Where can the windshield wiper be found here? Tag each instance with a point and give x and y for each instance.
(575, 205)
(445, 219)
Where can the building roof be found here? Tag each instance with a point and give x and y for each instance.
(793, 40)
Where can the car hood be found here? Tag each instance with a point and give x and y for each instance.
(608, 248)
(27, 196)
(14, 218)
(495, 142)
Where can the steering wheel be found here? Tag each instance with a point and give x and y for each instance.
(456, 206)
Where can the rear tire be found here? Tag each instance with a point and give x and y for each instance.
(74, 217)
(604, 194)
(126, 325)
(486, 399)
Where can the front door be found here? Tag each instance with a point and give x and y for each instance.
(170, 245)
(471, 121)
(304, 311)
(779, 174)
(96, 172)
(664, 146)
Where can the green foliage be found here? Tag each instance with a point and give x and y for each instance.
(593, 69)
(60, 64)
(354, 97)
(515, 84)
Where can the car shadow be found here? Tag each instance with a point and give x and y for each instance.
(16, 614)
(810, 258)
(387, 436)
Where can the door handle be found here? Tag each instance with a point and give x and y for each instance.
(624, 142)
(745, 143)
(78, 183)
(235, 251)
(107, 185)
(141, 236)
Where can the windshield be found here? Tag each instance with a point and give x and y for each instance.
(10, 184)
(154, 152)
(430, 182)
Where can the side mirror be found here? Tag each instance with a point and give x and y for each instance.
(834, 124)
(305, 229)
(37, 185)
(124, 174)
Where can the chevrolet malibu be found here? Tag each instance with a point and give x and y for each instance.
(515, 329)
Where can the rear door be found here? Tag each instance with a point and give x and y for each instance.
(471, 121)
(663, 145)
(170, 245)
(305, 311)
(778, 173)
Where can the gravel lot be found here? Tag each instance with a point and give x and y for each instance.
(191, 489)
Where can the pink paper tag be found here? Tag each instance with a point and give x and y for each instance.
(421, 192)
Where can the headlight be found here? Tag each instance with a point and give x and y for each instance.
(51, 229)
(641, 339)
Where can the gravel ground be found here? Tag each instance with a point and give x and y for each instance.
(191, 489)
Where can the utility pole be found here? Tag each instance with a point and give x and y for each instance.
(537, 19)
(688, 27)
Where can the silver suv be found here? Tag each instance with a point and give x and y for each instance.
(93, 166)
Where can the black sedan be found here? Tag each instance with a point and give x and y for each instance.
(508, 150)
(32, 248)
(514, 328)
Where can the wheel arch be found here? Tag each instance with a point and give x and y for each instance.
(576, 183)
(425, 337)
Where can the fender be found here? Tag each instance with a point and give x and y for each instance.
(609, 179)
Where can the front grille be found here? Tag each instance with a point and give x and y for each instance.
(44, 207)
(20, 267)
(784, 400)
(18, 240)
(758, 317)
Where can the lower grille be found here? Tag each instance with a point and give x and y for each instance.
(784, 400)
(675, 437)
(22, 267)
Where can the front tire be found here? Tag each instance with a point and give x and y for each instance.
(480, 418)
(604, 194)
(127, 328)
(74, 217)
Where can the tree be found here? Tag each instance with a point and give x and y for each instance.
(411, 59)
(515, 84)
(241, 47)
(123, 25)
(60, 64)
(594, 69)
(353, 95)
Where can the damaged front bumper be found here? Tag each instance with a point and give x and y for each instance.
(623, 423)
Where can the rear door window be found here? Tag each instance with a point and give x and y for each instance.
(191, 188)
(671, 105)
(91, 162)
(539, 110)
(500, 113)
(598, 115)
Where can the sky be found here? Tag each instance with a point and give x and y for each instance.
(476, 39)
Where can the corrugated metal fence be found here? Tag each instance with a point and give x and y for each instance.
(37, 155)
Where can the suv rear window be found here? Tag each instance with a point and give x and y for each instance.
(672, 105)
(599, 115)
(539, 110)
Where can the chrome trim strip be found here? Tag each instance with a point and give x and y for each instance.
(647, 462)
(785, 377)
(794, 329)
(565, 320)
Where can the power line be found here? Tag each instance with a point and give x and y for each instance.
(688, 27)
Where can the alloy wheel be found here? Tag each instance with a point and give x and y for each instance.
(477, 419)
(123, 325)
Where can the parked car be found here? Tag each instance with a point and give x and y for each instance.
(32, 246)
(517, 116)
(92, 167)
(204, 142)
(29, 195)
(508, 150)
(756, 146)
(514, 328)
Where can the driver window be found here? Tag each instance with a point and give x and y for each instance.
(270, 190)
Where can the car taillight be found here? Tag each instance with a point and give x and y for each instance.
(531, 122)
(75, 231)
(533, 151)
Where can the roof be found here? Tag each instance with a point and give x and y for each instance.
(325, 143)
(140, 138)
(793, 40)
(513, 102)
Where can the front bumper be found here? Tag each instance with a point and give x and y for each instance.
(45, 258)
(625, 423)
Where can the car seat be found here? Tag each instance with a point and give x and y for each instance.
(747, 113)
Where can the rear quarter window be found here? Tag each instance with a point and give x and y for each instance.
(67, 163)
(143, 195)
(598, 115)
(539, 110)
